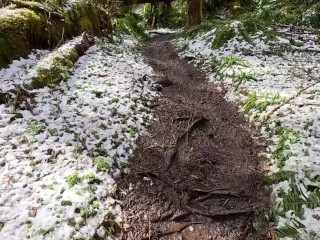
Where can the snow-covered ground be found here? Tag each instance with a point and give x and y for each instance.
(276, 83)
(155, 32)
(59, 159)
(12, 76)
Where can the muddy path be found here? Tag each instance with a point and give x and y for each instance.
(196, 175)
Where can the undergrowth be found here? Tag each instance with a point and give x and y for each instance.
(131, 25)
(260, 101)
(242, 28)
(291, 12)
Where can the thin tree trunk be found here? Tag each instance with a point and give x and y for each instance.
(195, 12)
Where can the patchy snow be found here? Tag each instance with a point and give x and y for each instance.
(62, 53)
(277, 85)
(163, 31)
(9, 13)
(58, 163)
(12, 76)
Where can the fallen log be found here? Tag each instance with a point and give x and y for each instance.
(26, 25)
(57, 65)
(292, 27)
(53, 69)
(38, 7)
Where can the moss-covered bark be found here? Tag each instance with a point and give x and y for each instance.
(27, 25)
(56, 66)
(16, 29)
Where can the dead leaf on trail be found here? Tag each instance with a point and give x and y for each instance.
(33, 212)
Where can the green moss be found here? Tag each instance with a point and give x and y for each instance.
(23, 29)
(88, 17)
(16, 30)
(73, 55)
(59, 71)
(85, 25)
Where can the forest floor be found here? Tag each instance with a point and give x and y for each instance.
(226, 121)
(197, 174)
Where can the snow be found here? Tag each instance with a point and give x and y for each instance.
(163, 31)
(47, 63)
(51, 187)
(268, 72)
(11, 76)
(6, 12)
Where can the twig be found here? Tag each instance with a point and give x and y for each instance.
(158, 235)
(297, 28)
(290, 99)
(61, 40)
(179, 139)
(219, 193)
(220, 213)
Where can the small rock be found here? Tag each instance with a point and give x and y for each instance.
(164, 82)
(77, 210)
(157, 87)
(189, 58)
(2, 163)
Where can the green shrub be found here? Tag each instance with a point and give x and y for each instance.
(287, 137)
(130, 25)
(102, 163)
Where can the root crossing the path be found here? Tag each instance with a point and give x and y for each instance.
(197, 174)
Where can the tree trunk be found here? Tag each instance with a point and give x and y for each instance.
(195, 12)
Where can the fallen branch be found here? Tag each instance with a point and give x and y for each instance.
(218, 193)
(159, 235)
(190, 128)
(297, 28)
(47, 72)
(290, 49)
(36, 6)
(221, 213)
(290, 99)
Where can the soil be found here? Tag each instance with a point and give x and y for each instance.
(197, 174)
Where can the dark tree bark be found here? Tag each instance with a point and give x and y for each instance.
(195, 12)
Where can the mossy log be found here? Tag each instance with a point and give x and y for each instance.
(51, 70)
(57, 66)
(28, 25)
(38, 7)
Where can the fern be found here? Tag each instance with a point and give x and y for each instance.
(294, 201)
(287, 137)
(131, 26)
(232, 61)
(223, 35)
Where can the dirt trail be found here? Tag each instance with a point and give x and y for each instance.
(196, 175)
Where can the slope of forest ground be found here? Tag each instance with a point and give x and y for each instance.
(71, 117)
(63, 145)
(272, 72)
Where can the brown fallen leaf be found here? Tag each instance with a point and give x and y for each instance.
(33, 212)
